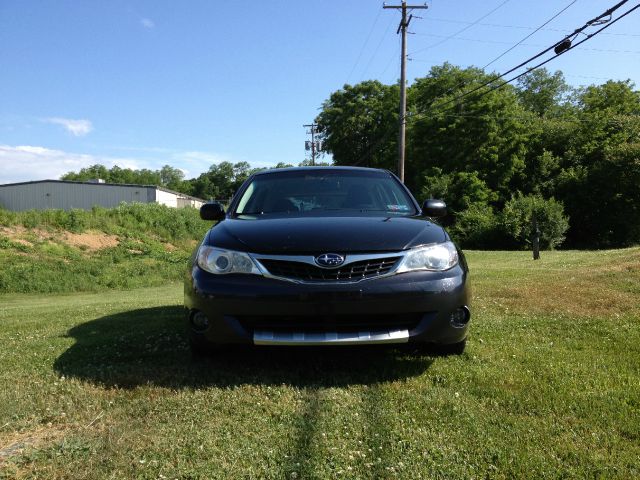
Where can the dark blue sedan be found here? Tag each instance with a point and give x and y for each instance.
(326, 256)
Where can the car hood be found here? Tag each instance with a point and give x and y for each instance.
(324, 234)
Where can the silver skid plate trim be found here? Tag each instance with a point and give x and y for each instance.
(264, 337)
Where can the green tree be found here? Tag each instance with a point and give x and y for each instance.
(459, 190)
(616, 97)
(541, 173)
(598, 164)
(282, 165)
(88, 173)
(604, 199)
(115, 174)
(171, 177)
(221, 181)
(307, 163)
(543, 93)
(358, 125)
(486, 133)
(541, 138)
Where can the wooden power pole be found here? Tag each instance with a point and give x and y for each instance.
(404, 23)
(313, 146)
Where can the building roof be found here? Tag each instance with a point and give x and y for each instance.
(105, 184)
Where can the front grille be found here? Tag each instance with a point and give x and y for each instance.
(355, 271)
(332, 323)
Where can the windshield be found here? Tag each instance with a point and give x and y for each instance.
(310, 191)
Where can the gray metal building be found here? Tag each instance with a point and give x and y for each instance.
(62, 194)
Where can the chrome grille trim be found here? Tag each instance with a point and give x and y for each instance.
(263, 337)
(310, 260)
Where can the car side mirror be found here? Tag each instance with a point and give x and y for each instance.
(212, 211)
(434, 208)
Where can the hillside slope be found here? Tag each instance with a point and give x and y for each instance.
(124, 247)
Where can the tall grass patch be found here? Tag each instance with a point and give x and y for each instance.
(129, 246)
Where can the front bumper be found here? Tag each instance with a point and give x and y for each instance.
(251, 309)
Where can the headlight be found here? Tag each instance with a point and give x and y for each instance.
(218, 261)
(440, 257)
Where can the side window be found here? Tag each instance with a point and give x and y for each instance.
(248, 194)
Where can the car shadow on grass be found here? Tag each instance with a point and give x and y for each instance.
(150, 346)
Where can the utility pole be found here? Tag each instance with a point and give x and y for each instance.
(404, 23)
(313, 145)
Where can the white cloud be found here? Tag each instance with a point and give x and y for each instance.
(75, 127)
(147, 23)
(193, 163)
(25, 163)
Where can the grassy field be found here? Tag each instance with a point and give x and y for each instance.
(101, 385)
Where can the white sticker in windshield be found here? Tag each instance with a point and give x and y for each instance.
(398, 208)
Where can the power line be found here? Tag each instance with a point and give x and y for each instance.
(498, 42)
(520, 27)
(393, 57)
(369, 152)
(530, 35)
(562, 52)
(375, 22)
(608, 50)
(566, 48)
(595, 21)
(460, 31)
(402, 28)
(375, 52)
(521, 41)
(486, 116)
(585, 76)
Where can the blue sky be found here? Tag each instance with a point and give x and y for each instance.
(147, 83)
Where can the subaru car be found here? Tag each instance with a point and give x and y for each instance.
(326, 256)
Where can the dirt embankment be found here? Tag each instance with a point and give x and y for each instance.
(90, 240)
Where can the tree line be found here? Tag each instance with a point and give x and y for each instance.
(219, 182)
(538, 154)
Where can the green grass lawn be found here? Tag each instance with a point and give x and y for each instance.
(102, 385)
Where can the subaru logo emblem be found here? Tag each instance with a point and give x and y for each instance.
(329, 260)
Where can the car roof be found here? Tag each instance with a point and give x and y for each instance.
(316, 168)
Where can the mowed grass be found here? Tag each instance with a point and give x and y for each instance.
(103, 386)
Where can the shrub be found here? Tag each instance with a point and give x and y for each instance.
(477, 227)
(77, 220)
(517, 221)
